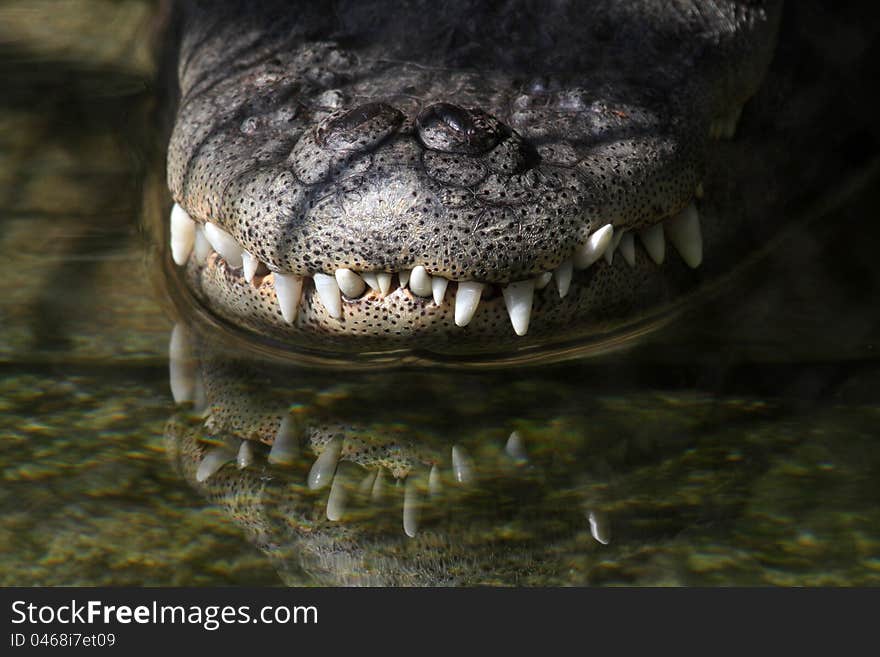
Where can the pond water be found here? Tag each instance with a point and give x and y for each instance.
(740, 445)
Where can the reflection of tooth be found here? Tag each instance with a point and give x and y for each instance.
(467, 298)
(181, 365)
(288, 290)
(412, 506)
(655, 245)
(366, 485)
(628, 249)
(215, 459)
(518, 298)
(563, 277)
(378, 491)
(420, 282)
(328, 292)
(438, 288)
(350, 283)
(403, 277)
(245, 455)
(435, 486)
(183, 234)
(600, 528)
(384, 279)
(588, 253)
(285, 447)
(516, 447)
(202, 248)
(684, 233)
(325, 465)
(224, 244)
(462, 466)
(339, 490)
(612, 247)
(543, 280)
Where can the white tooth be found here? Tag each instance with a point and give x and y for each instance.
(378, 491)
(339, 490)
(215, 459)
(655, 245)
(628, 249)
(384, 279)
(435, 486)
(595, 246)
(684, 233)
(328, 292)
(245, 455)
(563, 277)
(412, 506)
(599, 527)
(325, 465)
(224, 244)
(462, 466)
(518, 299)
(467, 298)
(181, 365)
(438, 288)
(516, 447)
(370, 279)
(403, 277)
(285, 447)
(183, 235)
(698, 192)
(350, 283)
(203, 247)
(420, 282)
(543, 280)
(609, 252)
(249, 264)
(288, 290)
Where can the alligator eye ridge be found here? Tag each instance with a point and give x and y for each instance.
(360, 128)
(452, 129)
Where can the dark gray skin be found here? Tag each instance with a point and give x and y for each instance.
(482, 141)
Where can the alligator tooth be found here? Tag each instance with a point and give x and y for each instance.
(435, 485)
(367, 482)
(563, 277)
(438, 288)
(325, 465)
(215, 459)
(543, 280)
(245, 455)
(467, 298)
(328, 292)
(288, 289)
(698, 192)
(462, 466)
(518, 299)
(609, 252)
(403, 277)
(285, 447)
(224, 244)
(350, 283)
(420, 282)
(599, 527)
(516, 447)
(371, 279)
(628, 249)
(684, 233)
(181, 365)
(384, 279)
(412, 506)
(339, 490)
(203, 247)
(588, 253)
(655, 245)
(183, 234)
(378, 490)
(249, 264)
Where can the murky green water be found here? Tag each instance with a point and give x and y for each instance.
(740, 446)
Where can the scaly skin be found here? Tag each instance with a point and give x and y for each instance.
(483, 143)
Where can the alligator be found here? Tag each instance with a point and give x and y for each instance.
(469, 179)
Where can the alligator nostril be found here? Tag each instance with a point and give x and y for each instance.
(360, 128)
(452, 129)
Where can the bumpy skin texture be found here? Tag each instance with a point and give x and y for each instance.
(483, 141)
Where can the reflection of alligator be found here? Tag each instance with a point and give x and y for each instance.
(400, 179)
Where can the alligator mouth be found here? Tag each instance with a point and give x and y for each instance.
(356, 297)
